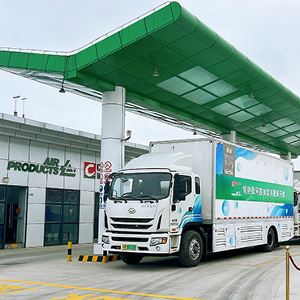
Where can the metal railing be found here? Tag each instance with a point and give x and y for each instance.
(288, 259)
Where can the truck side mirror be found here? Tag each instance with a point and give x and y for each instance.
(106, 190)
(107, 186)
(180, 188)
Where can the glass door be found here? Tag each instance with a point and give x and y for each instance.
(12, 215)
(15, 215)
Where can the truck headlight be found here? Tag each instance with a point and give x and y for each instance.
(105, 239)
(158, 241)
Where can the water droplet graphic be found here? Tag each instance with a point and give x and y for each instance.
(225, 208)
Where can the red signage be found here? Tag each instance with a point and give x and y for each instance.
(100, 171)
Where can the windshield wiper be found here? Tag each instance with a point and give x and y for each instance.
(149, 197)
(128, 196)
(142, 198)
(120, 200)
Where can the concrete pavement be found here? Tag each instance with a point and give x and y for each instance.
(43, 273)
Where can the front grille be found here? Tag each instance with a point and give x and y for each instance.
(143, 249)
(131, 220)
(129, 232)
(130, 226)
(129, 239)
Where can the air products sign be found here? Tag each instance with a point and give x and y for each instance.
(49, 166)
(54, 166)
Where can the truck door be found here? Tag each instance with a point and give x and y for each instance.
(182, 201)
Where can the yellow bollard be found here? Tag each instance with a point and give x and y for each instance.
(69, 253)
(287, 272)
(105, 259)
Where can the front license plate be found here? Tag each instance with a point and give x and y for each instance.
(129, 247)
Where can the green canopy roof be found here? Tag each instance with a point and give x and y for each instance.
(171, 63)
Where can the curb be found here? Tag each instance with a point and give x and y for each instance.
(98, 258)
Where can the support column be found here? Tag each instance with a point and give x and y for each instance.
(230, 137)
(287, 156)
(112, 146)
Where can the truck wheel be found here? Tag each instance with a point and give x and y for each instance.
(271, 241)
(131, 258)
(191, 249)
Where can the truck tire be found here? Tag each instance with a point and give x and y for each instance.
(131, 258)
(271, 241)
(191, 249)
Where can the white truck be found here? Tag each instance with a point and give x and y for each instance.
(193, 197)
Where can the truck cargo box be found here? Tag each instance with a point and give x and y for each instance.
(237, 182)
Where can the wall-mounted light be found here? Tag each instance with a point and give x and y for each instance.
(5, 180)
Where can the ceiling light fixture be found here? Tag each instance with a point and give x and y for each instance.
(155, 72)
(62, 90)
(251, 95)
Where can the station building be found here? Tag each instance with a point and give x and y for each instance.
(49, 183)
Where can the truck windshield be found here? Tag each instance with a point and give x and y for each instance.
(140, 186)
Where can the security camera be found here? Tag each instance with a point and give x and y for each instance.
(128, 135)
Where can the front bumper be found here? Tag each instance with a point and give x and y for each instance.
(140, 243)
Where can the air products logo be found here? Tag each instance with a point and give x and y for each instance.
(49, 166)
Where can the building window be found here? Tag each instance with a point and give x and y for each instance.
(2, 214)
(197, 185)
(61, 217)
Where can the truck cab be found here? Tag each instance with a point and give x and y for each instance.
(149, 203)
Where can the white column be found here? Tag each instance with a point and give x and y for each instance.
(230, 137)
(112, 146)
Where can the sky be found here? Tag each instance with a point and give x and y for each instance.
(264, 30)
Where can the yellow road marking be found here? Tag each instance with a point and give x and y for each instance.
(80, 288)
(9, 289)
(86, 297)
